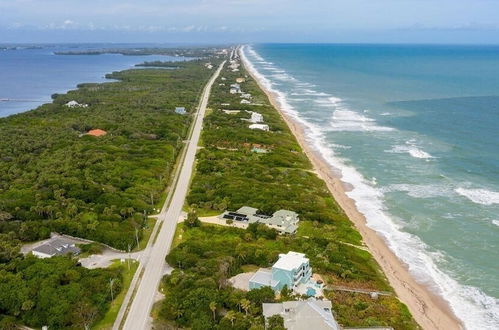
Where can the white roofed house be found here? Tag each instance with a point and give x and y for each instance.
(244, 101)
(180, 110)
(263, 127)
(303, 315)
(74, 104)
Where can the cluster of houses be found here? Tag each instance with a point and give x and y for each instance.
(292, 270)
(236, 89)
(256, 121)
(234, 65)
(284, 221)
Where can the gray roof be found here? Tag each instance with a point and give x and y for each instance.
(304, 315)
(248, 210)
(264, 277)
(286, 221)
(57, 247)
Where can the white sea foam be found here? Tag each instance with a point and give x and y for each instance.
(421, 190)
(496, 222)
(309, 92)
(472, 306)
(351, 121)
(410, 147)
(479, 196)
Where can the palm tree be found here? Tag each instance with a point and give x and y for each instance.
(213, 308)
(231, 316)
(245, 304)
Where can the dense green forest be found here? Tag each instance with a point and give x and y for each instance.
(55, 177)
(229, 175)
(54, 292)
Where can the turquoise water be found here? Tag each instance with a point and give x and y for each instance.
(415, 132)
(30, 75)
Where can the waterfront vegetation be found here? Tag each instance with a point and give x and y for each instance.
(228, 176)
(54, 177)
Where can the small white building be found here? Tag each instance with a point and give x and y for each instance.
(244, 101)
(302, 315)
(256, 117)
(233, 91)
(74, 104)
(180, 110)
(245, 95)
(263, 127)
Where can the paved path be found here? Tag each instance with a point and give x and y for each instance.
(141, 305)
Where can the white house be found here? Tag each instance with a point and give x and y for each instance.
(74, 104)
(256, 117)
(244, 101)
(180, 110)
(263, 127)
(303, 315)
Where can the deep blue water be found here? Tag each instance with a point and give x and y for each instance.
(415, 130)
(29, 76)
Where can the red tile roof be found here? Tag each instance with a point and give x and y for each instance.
(96, 132)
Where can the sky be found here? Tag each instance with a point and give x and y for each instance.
(222, 21)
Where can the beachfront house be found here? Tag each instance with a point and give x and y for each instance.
(301, 315)
(291, 270)
(263, 127)
(256, 117)
(284, 221)
(55, 247)
(180, 110)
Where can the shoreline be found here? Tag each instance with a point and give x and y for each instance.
(428, 309)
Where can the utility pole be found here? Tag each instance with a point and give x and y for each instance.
(111, 281)
(137, 237)
(129, 257)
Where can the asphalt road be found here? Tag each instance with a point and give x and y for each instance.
(140, 309)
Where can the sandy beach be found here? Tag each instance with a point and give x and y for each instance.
(429, 310)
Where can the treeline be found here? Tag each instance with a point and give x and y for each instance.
(229, 175)
(53, 177)
(54, 292)
(186, 52)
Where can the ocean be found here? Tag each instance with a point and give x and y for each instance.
(414, 130)
(30, 74)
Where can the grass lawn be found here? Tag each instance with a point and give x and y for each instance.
(177, 239)
(108, 319)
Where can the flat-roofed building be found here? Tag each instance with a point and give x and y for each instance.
(290, 270)
(55, 247)
(303, 315)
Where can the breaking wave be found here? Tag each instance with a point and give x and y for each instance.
(471, 305)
